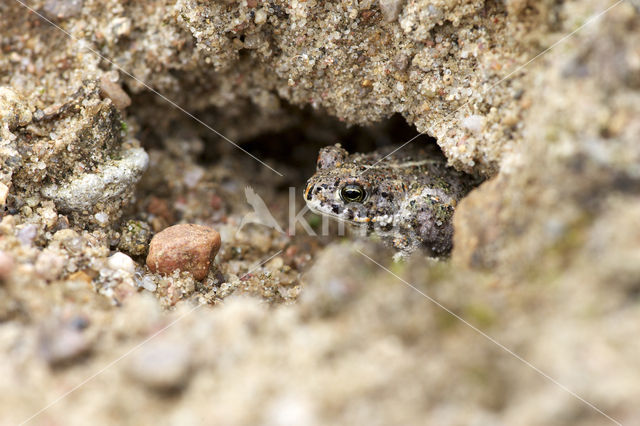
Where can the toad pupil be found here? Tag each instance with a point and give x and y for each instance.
(352, 193)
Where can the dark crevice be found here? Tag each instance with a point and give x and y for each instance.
(297, 147)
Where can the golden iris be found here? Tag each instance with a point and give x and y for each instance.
(352, 193)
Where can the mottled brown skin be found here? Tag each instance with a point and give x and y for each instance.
(409, 195)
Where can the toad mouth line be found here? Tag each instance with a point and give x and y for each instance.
(335, 216)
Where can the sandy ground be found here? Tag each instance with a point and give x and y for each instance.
(533, 320)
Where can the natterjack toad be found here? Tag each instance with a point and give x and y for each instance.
(408, 197)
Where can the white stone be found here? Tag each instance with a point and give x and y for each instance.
(261, 17)
(27, 234)
(102, 218)
(4, 191)
(49, 265)
(161, 364)
(121, 262)
(193, 176)
(112, 180)
(474, 123)
(391, 9)
(148, 284)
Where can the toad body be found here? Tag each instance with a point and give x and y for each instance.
(406, 197)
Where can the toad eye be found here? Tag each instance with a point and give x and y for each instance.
(352, 193)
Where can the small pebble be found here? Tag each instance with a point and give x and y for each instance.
(186, 247)
(49, 216)
(401, 61)
(161, 365)
(148, 284)
(473, 123)
(27, 234)
(192, 176)
(121, 262)
(160, 208)
(62, 9)
(260, 17)
(122, 292)
(74, 245)
(4, 192)
(14, 110)
(134, 237)
(49, 265)
(391, 9)
(61, 342)
(113, 91)
(436, 14)
(81, 276)
(102, 218)
(6, 265)
(121, 26)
